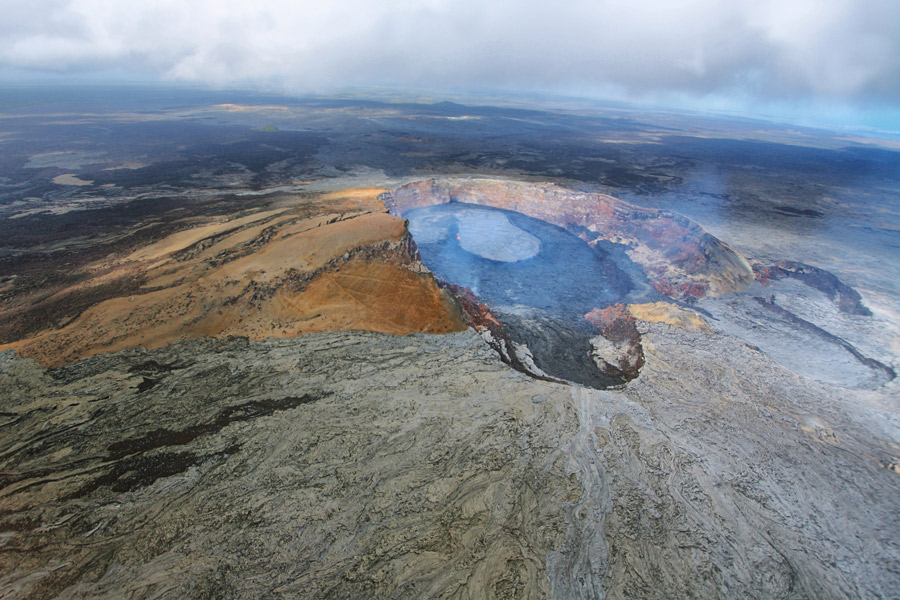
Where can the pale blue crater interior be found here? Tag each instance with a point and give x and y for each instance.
(539, 279)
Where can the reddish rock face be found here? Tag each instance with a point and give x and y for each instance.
(612, 321)
(619, 351)
(679, 257)
(478, 314)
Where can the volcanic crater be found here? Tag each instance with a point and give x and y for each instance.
(555, 280)
(557, 268)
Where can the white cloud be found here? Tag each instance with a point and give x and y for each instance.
(842, 50)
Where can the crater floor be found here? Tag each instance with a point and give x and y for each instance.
(538, 278)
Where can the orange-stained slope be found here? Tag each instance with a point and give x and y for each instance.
(282, 274)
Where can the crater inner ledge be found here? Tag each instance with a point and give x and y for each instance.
(490, 235)
(483, 232)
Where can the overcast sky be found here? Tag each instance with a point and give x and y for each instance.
(839, 53)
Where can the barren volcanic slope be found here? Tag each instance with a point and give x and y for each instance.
(325, 263)
(229, 372)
